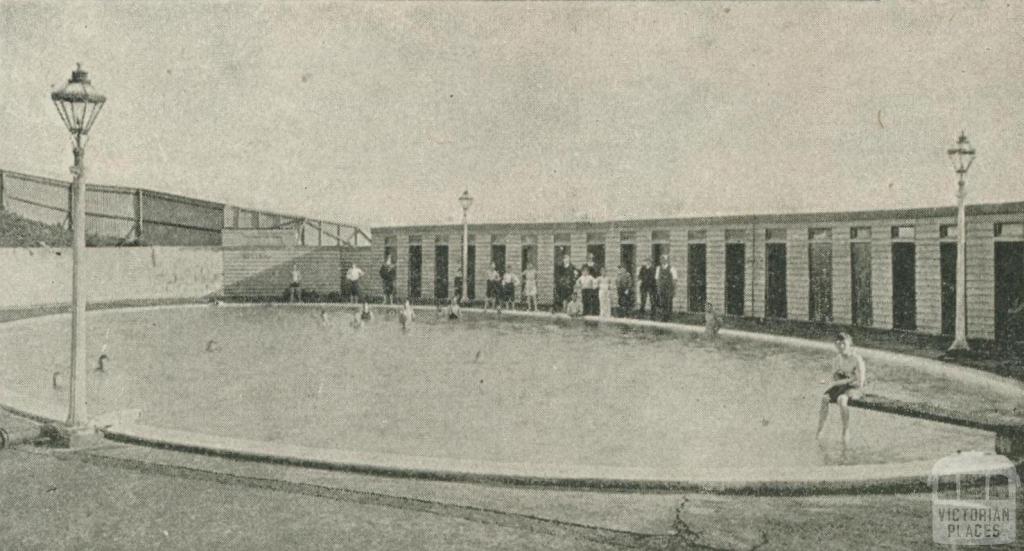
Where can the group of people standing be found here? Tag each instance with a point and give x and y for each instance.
(501, 288)
(585, 291)
(591, 288)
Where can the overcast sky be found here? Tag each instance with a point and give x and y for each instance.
(381, 114)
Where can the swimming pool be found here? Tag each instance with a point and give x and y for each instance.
(544, 391)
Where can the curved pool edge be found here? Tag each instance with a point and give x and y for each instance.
(907, 476)
(886, 477)
(844, 479)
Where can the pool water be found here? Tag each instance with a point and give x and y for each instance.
(547, 391)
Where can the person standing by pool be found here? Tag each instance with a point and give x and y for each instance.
(604, 295)
(588, 287)
(457, 284)
(492, 297)
(712, 323)
(565, 279)
(848, 378)
(295, 289)
(648, 286)
(530, 287)
(665, 276)
(590, 264)
(387, 278)
(354, 274)
(624, 283)
(509, 282)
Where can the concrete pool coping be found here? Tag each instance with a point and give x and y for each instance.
(905, 476)
(911, 475)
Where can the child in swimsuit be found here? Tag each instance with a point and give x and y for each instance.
(405, 317)
(575, 307)
(848, 379)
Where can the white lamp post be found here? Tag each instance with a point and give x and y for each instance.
(78, 104)
(962, 156)
(466, 201)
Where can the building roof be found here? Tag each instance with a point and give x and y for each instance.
(726, 220)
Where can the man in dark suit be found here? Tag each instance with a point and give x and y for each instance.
(648, 286)
(565, 279)
(665, 276)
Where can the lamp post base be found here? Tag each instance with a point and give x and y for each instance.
(73, 438)
(959, 345)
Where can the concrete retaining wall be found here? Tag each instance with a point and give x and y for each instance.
(266, 272)
(38, 276)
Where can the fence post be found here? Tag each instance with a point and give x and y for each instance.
(138, 214)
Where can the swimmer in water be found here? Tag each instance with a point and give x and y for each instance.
(323, 316)
(847, 382)
(454, 312)
(212, 346)
(101, 364)
(58, 379)
(406, 316)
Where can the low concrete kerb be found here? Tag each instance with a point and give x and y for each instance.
(906, 476)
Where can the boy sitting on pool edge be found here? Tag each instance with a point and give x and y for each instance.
(848, 376)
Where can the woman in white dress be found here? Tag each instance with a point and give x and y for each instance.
(530, 287)
(604, 295)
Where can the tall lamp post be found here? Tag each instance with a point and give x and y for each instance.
(78, 104)
(962, 156)
(466, 201)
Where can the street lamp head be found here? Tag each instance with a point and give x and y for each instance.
(465, 200)
(962, 155)
(78, 104)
